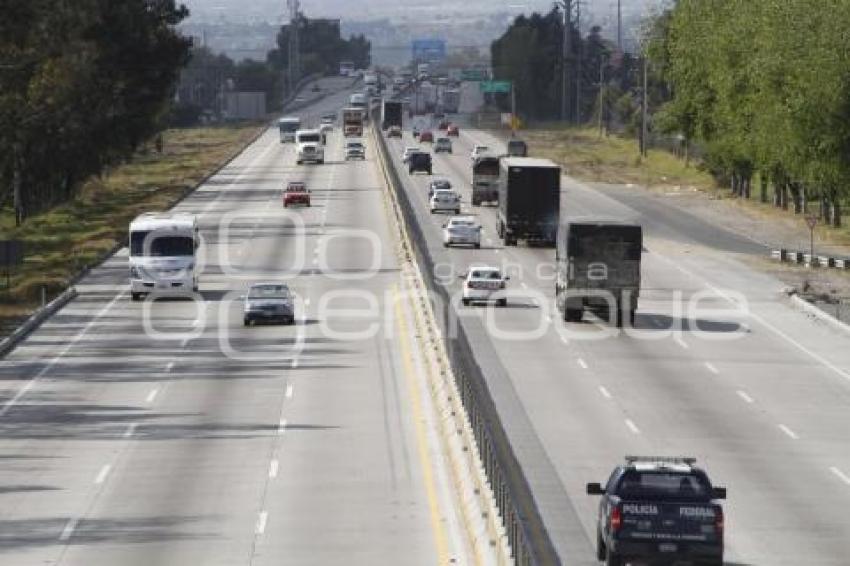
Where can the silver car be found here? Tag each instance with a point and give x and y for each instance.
(355, 150)
(269, 302)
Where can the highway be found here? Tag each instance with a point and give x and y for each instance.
(166, 433)
(719, 366)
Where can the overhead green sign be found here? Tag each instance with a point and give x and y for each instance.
(490, 87)
(473, 75)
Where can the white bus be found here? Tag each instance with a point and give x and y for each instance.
(162, 254)
(346, 68)
(288, 126)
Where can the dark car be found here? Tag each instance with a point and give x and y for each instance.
(438, 184)
(419, 161)
(269, 302)
(659, 509)
(452, 130)
(444, 125)
(394, 132)
(517, 148)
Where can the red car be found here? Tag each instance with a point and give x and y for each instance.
(296, 193)
(426, 136)
(452, 130)
(444, 124)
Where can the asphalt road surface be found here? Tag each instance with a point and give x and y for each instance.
(165, 432)
(719, 366)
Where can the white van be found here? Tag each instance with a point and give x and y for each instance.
(162, 254)
(309, 146)
(288, 126)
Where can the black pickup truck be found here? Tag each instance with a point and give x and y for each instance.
(659, 510)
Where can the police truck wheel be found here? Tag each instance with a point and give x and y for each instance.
(135, 296)
(613, 559)
(600, 548)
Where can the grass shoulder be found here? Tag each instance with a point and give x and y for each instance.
(62, 242)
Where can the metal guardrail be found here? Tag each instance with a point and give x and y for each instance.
(527, 535)
(817, 260)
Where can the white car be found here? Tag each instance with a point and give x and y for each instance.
(462, 230)
(408, 151)
(484, 285)
(478, 151)
(445, 200)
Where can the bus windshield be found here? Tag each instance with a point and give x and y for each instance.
(147, 245)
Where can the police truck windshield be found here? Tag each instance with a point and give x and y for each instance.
(664, 485)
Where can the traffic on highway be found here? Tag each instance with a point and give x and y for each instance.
(394, 327)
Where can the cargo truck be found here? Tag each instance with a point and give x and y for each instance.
(598, 268)
(529, 200)
(451, 101)
(485, 179)
(391, 114)
(352, 121)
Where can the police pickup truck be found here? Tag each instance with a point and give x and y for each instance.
(659, 510)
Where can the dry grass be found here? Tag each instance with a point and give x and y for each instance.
(587, 156)
(62, 242)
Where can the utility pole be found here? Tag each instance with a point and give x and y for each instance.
(620, 25)
(567, 8)
(644, 109)
(601, 93)
(294, 46)
(578, 63)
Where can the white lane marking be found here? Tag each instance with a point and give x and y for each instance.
(632, 426)
(840, 475)
(273, 468)
(711, 368)
(582, 363)
(498, 251)
(315, 261)
(131, 429)
(169, 367)
(290, 390)
(152, 395)
(791, 434)
(307, 302)
(69, 529)
(101, 477)
(548, 318)
(261, 522)
(281, 427)
(185, 342)
(523, 285)
(743, 395)
(818, 358)
(565, 340)
(31, 383)
(294, 363)
(605, 392)
(681, 341)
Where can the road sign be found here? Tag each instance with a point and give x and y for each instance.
(492, 87)
(812, 221)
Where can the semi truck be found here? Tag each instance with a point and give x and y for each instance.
(451, 101)
(485, 179)
(391, 114)
(529, 200)
(352, 121)
(598, 268)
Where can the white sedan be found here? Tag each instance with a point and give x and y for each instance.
(445, 200)
(483, 285)
(462, 230)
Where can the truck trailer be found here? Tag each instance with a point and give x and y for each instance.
(529, 200)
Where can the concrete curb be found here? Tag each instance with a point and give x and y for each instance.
(35, 320)
(813, 310)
